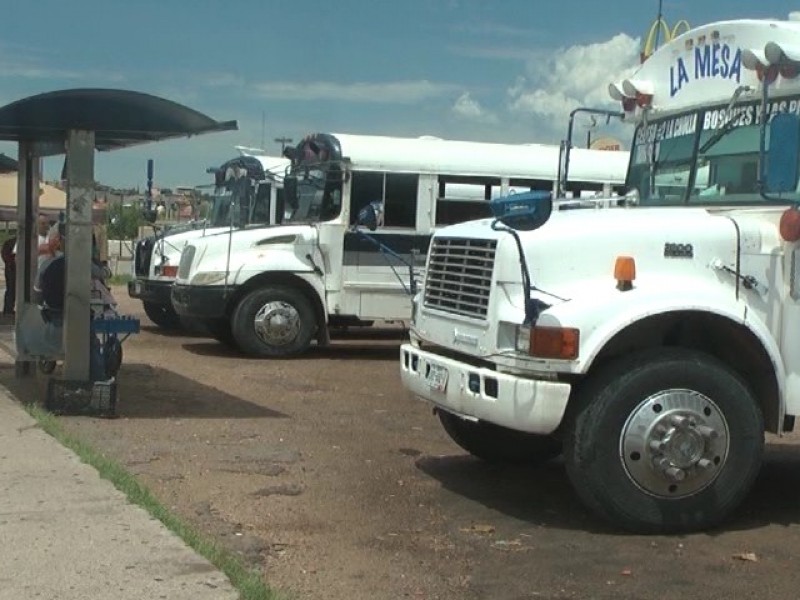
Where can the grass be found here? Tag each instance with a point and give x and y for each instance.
(119, 279)
(247, 581)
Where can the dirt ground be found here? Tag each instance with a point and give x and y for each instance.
(327, 475)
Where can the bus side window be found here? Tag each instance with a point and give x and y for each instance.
(463, 201)
(364, 188)
(400, 202)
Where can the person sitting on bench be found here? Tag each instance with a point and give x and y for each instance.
(51, 291)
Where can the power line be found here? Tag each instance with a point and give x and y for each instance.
(283, 141)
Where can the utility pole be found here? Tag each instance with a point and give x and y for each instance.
(658, 20)
(283, 141)
(263, 128)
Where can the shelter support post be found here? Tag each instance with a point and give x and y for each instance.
(27, 245)
(77, 310)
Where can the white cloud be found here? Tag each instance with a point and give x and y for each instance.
(20, 62)
(34, 71)
(466, 107)
(392, 92)
(794, 15)
(571, 77)
(489, 28)
(223, 80)
(492, 52)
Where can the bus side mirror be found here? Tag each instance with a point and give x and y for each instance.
(369, 215)
(524, 212)
(783, 153)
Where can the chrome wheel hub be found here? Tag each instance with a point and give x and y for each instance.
(674, 443)
(277, 323)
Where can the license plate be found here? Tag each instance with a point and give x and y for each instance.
(437, 377)
(137, 287)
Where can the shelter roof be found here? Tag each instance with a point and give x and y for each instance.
(119, 118)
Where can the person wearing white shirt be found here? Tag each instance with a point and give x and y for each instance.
(42, 228)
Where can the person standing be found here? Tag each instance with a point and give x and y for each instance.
(43, 225)
(10, 271)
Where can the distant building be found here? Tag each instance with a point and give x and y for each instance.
(52, 200)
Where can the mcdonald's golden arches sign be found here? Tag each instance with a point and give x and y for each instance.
(668, 35)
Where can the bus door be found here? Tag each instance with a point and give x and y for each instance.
(373, 279)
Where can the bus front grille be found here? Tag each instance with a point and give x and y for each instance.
(459, 276)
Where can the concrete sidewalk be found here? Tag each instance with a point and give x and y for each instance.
(67, 534)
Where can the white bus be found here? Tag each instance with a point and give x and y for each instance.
(271, 291)
(654, 345)
(247, 191)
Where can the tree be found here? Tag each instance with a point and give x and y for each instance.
(124, 222)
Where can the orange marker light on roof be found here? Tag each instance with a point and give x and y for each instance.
(625, 272)
(790, 224)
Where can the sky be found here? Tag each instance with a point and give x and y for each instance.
(500, 71)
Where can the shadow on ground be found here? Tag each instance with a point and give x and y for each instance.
(378, 344)
(185, 333)
(540, 495)
(146, 392)
(543, 495)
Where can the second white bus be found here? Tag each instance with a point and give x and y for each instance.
(272, 291)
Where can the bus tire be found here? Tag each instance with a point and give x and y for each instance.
(162, 315)
(274, 321)
(496, 444)
(220, 330)
(667, 441)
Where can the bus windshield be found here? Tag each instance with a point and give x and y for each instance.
(319, 194)
(704, 157)
(249, 207)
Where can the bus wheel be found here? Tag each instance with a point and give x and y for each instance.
(220, 330)
(666, 441)
(275, 320)
(163, 315)
(496, 444)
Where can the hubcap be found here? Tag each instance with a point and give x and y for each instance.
(675, 443)
(277, 323)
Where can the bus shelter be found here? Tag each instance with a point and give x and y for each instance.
(76, 122)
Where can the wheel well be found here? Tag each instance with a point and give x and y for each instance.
(733, 344)
(288, 279)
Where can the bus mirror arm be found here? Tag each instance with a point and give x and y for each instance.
(566, 145)
(317, 270)
(533, 306)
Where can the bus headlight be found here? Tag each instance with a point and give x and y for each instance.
(562, 343)
(208, 278)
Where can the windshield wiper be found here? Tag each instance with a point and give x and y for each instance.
(729, 124)
(716, 137)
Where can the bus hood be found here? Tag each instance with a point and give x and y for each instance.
(247, 247)
(575, 251)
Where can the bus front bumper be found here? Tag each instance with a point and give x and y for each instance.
(200, 301)
(146, 290)
(530, 405)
